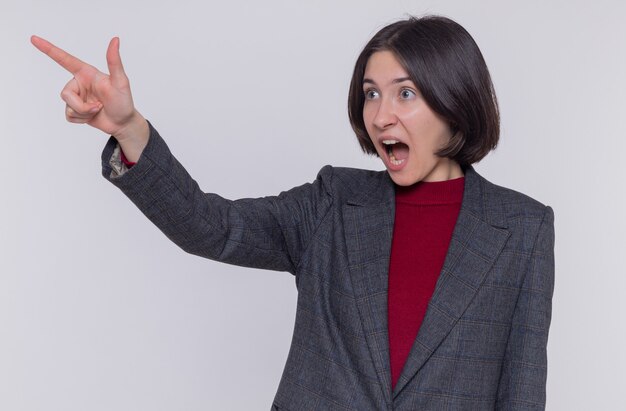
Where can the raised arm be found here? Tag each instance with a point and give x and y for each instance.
(103, 101)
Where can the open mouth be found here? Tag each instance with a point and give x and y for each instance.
(396, 151)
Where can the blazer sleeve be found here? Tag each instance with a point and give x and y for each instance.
(523, 377)
(270, 232)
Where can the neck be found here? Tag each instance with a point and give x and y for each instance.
(447, 170)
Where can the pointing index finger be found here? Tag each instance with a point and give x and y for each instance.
(65, 60)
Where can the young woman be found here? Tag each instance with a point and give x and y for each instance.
(422, 287)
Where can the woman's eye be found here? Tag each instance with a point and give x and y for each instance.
(371, 94)
(407, 94)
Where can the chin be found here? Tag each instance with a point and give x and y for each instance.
(403, 180)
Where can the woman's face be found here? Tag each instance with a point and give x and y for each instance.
(403, 128)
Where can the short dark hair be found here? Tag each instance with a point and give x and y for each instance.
(447, 67)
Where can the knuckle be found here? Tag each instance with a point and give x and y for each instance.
(66, 95)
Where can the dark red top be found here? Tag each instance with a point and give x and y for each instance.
(129, 164)
(426, 213)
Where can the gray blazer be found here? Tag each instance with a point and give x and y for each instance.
(482, 343)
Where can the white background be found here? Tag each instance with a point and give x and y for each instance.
(99, 311)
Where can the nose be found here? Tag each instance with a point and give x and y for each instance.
(385, 116)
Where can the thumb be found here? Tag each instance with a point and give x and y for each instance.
(114, 62)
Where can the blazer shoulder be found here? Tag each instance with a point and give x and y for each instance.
(518, 206)
(346, 184)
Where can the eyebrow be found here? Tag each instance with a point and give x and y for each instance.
(394, 81)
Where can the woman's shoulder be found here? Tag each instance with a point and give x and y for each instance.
(514, 204)
(355, 184)
(352, 176)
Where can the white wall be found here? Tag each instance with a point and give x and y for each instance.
(98, 311)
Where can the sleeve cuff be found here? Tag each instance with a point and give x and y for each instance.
(155, 154)
(117, 162)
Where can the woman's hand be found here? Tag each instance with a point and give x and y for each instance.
(103, 101)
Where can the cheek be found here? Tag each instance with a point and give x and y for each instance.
(416, 129)
(368, 116)
(426, 130)
(412, 119)
(410, 112)
(368, 119)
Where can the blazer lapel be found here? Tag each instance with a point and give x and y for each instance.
(368, 224)
(477, 240)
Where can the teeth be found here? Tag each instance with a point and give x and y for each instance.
(390, 142)
(393, 160)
